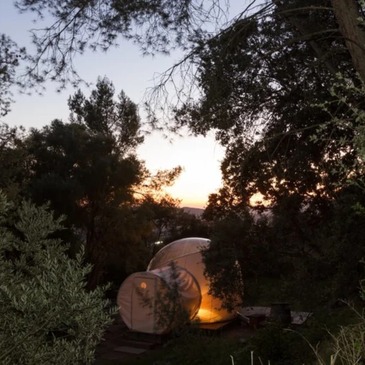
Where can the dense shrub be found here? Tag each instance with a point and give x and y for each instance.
(46, 315)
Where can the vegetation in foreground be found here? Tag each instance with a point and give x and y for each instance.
(46, 315)
(309, 344)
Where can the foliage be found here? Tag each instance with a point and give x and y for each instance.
(294, 345)
(261, 89)
(12, 161)
(348, 95)
(118, 120)
(237, 251)
(84, 177)
(70, 28)
(345, 345)
(10, 57)
(279, 346)
(186, 224)
(311, 259)
(47, 316)
(192, 348)
(348, 345)
(160, 209)
(167, 305)
(88, 170)
(293, 133)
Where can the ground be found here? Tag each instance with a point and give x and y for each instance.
(121, 345)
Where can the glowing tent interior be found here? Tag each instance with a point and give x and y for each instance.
(179, 262)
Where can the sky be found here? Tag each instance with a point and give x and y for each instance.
(199, 157)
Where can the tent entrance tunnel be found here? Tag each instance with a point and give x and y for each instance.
(145, 298)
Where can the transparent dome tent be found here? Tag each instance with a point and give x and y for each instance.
(180, 262)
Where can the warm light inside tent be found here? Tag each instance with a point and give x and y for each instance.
(143, 285)
(204, 315)
(209, 316)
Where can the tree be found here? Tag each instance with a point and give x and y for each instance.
(262, 92)
(47, 316)
(83, 177)
(269, 88)
(77, 26)
(162, 213)
(101, 114)
(12, 161)
(69, 29)
(186, 224)
(88, 171)
(87, 168)
(10, 57)
(350, 18)
(239, 253)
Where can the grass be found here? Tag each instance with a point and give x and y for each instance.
(271, 343)
(193, 349)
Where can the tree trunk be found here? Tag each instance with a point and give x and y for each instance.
(302, 29)
(347, 13)
(94, 253)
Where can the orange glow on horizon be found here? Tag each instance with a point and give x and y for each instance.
(192, 204)
(255, 200)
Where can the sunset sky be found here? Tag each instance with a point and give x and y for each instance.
(199, 156)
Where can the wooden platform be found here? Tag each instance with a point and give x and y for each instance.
(213, 326)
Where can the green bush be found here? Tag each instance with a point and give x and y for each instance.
(280, 346)
(193, 349)
(46, 315)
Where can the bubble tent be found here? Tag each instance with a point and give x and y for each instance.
(180, 265)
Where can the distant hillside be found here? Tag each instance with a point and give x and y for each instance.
(255, 213)
(195, 211)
